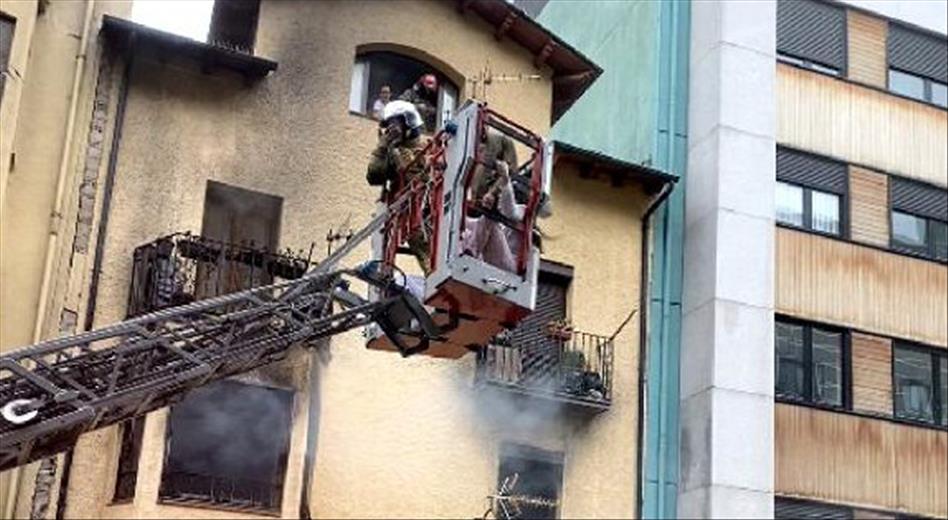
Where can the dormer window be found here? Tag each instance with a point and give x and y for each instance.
(234, 24)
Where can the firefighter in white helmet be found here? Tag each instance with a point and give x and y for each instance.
(391, 164)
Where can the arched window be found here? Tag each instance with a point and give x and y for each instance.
(377, 71)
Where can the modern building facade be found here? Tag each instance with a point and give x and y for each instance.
(813, 280)
(765, 183)
(181, 159)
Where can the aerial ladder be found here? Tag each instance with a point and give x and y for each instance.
(54, 391)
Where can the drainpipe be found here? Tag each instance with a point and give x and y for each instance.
(100, 245)
(56, 216)
(643, 331)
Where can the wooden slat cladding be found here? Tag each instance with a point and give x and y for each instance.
(867, 58)
(868, 205)
(872, 374)
(878, 464)
(861, 125)
(857, 286)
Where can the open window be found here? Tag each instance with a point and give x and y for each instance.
(246, 219)
(227, 446)
(534, 478)
(382, 76)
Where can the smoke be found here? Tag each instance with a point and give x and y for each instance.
(231, 431)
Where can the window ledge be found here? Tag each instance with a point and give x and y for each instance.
(863, 85)
(857, 413)
(863, 244)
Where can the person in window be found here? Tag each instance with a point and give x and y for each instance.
(424, 95)
(385, 95)
(400, 141)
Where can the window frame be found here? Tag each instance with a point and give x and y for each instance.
(927, 96)
(282, 469)
(936, 356)
(359, 105)
(843, 209)
(808, 64)
(5, 66)
(845, 355)
(929, 252)
(512, 450)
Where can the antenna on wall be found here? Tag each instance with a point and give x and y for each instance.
(486, 77)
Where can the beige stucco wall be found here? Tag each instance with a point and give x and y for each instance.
(34, 129)
(397, 437)
(24, 15)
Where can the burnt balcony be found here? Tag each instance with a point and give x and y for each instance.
(182, 268)
(562, 365)
(240, 494)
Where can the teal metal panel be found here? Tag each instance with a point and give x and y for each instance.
(661, 453)
(616, 116)
(637, 111)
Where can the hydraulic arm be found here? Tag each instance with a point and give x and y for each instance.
(52, 392)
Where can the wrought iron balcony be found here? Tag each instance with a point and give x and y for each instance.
(232, 493)
(567, 366)
(182, 268)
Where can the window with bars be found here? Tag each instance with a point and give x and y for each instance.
(535, 476)
(810, 363)
(920, 384)
(227, 446)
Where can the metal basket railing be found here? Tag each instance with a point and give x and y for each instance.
(182, 268)
(573, 365)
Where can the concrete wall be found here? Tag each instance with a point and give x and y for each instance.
(618, 114)
(727, 368)
(396, 437)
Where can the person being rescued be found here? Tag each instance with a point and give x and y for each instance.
(485, 237)
(424, 95)
(400, 140)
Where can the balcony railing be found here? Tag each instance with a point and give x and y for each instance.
(233, 493)
(572, 367)
(182, 268)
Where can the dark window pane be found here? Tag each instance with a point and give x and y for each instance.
(909, 232)
(827, 367)
(906, 84)
(939, 239)
(789, 204)
(535, 475)
(943, 383)
(913, 384)
(825, 212)
(790, 360)
(227, 445)
(940, 94)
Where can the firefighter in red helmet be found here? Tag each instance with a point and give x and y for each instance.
(424, 95)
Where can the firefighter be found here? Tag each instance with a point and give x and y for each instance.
(424, 95)
(400, 140)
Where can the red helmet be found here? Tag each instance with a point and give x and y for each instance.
(429, 81)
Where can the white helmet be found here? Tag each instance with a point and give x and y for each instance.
(406, 111)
